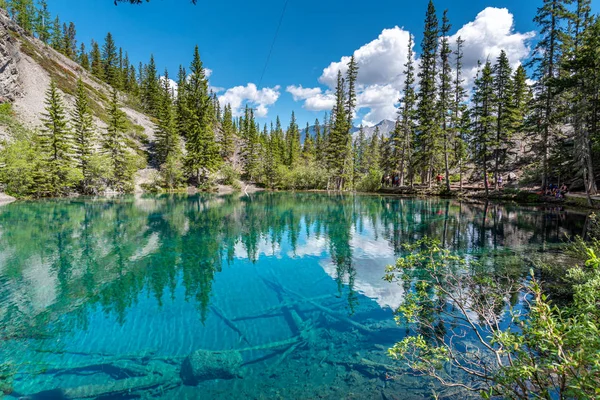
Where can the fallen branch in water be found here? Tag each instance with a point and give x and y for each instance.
(229, 323)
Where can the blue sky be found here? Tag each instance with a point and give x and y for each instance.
(235, 36)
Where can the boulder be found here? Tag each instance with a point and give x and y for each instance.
(205, 365)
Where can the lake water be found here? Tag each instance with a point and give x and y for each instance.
(105, 298)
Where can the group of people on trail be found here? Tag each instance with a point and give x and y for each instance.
(553, 190)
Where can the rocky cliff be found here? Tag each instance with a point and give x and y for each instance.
(26, 67)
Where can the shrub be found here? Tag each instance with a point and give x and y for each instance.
(19, 161)
(370, 182)
(229, 175)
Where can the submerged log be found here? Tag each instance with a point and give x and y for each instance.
(278, 287)
(203, 365)
(114, 389)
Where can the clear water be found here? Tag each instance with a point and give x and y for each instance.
(104, 298)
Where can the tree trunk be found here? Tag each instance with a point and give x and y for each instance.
(485, 173)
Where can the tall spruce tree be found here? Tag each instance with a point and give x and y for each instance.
(308, 150)
(227, 135)
(82, 126)
(83, 58)
(110, 61)
(584, 76)
(460, 118)
(505, 111)
(202, 155)
(96, 61)
(445, 89)
(114, 145)
(56, 143)
(150, 87)
(405, 129)
(42, 22)
(69, 41)
(292, 141)
(319, 142)
(427, 113)
(338, 137)
(56, 37)
(484, 119)
(546, 62)
(167, 138)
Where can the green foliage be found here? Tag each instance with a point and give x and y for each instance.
(370, 182)
(202, 156)
(57, 176)
(546, 351)
(82, 125)
(229, 176)
(19, 161)
(171, 172)
(302, 177)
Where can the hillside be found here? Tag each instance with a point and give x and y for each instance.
(27, 66)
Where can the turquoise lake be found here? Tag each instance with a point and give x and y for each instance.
(106, 298)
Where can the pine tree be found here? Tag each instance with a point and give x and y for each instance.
(56, 37)
(270, 161)
(202, 150)
(372, 159)
(96, 61)
(505, 112)
(460, 117)
(82, 126)
(180, 101)
(308, 150)
(484, 119)
(42, 22)
(69, 41)
(339, 136)
(110, 60)
(250, 145)
(522, 97)
(360, 152)
(292, 141)
(228, 135)
(279, 147)
(428, 137)
(546, 61)
(83, 58)
(585, 80)
(150, 87)
(23, 13)
(404, 131)
(56, 143)
(444, 101)
(319, 151)
(114, 145)
(351, 77)
(167, 138)
(126, 78)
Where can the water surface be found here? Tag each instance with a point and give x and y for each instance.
(108, 296)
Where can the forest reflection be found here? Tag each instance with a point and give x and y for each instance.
(72, 256)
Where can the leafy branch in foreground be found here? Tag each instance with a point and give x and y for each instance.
(470, 331)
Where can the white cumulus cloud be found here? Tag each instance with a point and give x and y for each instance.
(239, 96)
(491, 32)
(381, 63)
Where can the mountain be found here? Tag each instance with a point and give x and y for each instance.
(386, 127)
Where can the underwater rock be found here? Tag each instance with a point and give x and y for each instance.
(205, 365)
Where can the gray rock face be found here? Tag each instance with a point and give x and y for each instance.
(205, 365)
(9, 57)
